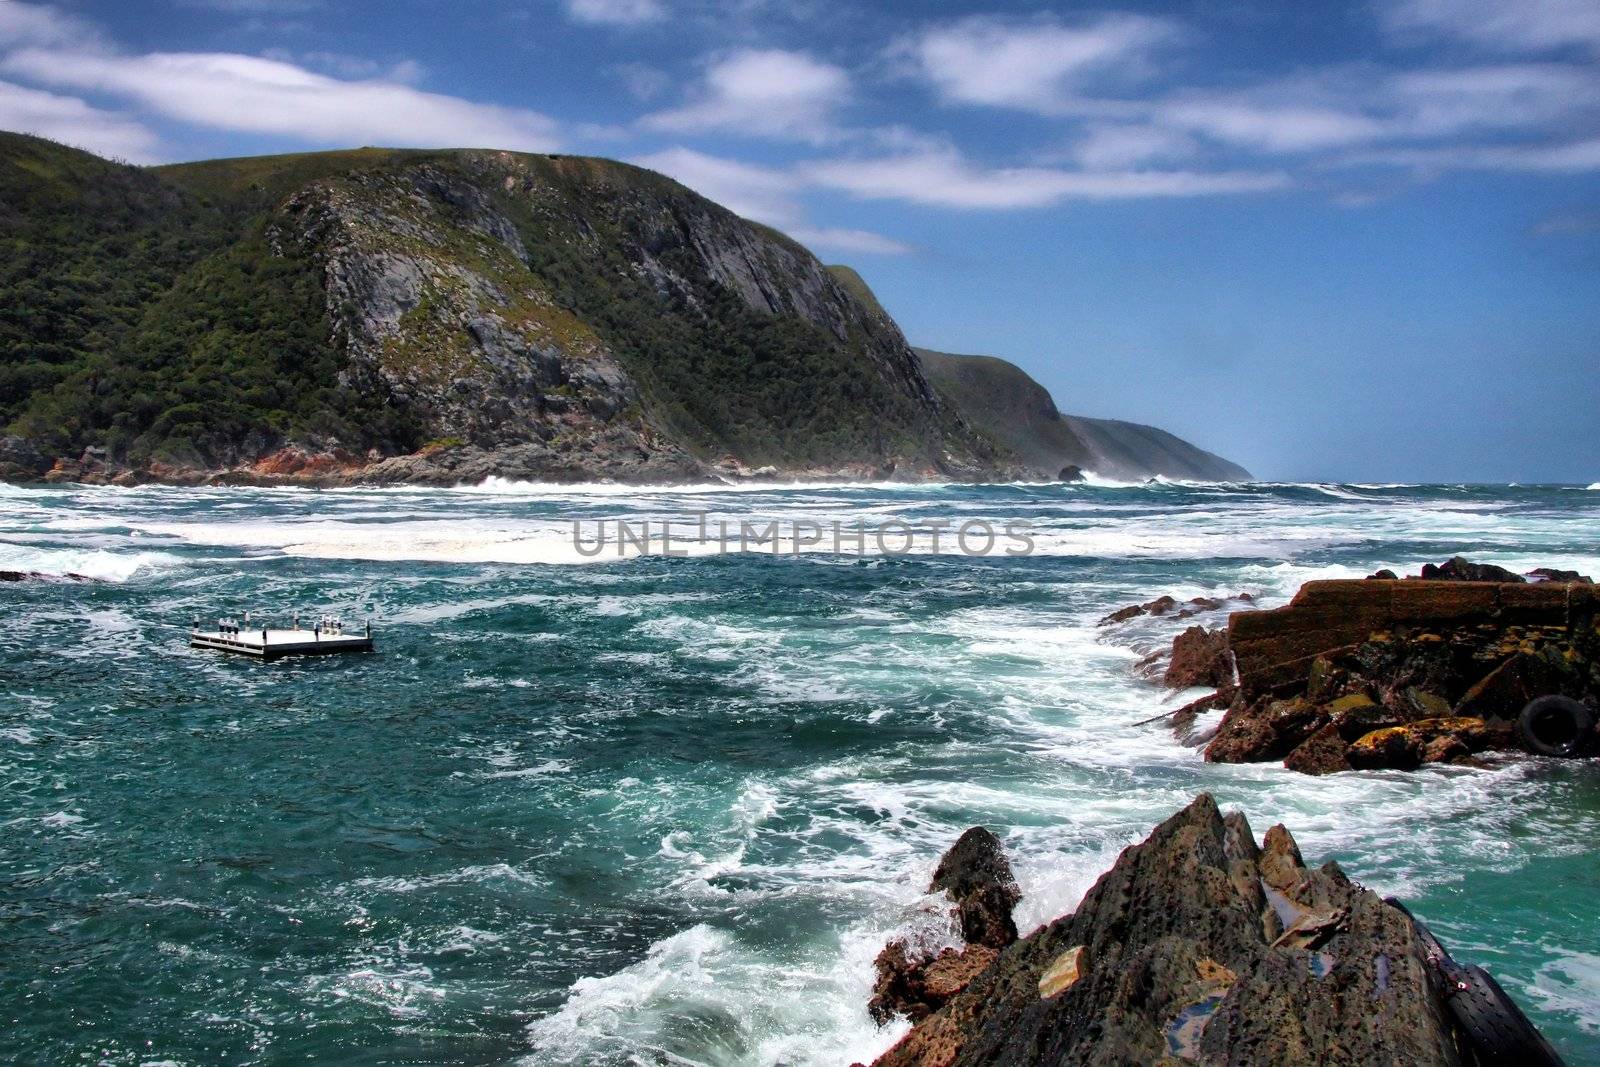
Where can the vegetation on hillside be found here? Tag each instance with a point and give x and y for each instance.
(147, 311)
(141, 318)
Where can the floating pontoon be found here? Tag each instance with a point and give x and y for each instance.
(265, 643)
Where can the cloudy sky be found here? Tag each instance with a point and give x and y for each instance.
(1328, 240)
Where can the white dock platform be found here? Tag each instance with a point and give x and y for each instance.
(268, 644)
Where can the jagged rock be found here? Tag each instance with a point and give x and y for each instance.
(976, 876)
(1165, 605)
(1199, 945)
(916, 987)
(1549, 574)
(1460, 569)
(1199, 657)
(1372, 656)
(1321, 753)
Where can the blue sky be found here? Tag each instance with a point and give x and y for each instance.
(1327, 240)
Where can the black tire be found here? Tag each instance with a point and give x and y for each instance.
(1499, 1032)
(1495, 1028)
(1556, 726)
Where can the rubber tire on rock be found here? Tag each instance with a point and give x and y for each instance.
(1500, 1034)
(1575, 719)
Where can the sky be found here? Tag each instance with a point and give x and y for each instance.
(1335, 240)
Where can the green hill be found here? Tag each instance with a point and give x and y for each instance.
(446, 315)
(436, 316)
(1001, 400)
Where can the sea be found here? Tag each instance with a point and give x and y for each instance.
(664, 803)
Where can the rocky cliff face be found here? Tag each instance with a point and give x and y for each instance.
(1199, 946)
(457, 314)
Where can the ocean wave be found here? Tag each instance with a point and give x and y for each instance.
(101, 564)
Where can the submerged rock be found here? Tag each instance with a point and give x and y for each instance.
(1198, 945)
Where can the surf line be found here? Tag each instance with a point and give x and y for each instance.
(891, 537)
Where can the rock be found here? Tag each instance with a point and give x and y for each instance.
(1445, 749)
(1549, 574)
(1199, 657)
(1459, 569)
(914, 988)
(1373, 655)
(1321, 753)
(1063, 972)
(1169, 605)
(36, 576)
(1071, 473)
(1391, 748)
(1406, 747)
(1199, 945)
(976, 875)
(1384, 575)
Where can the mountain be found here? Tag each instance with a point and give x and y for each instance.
(440, 317)
(1001, 400)
(434, 316)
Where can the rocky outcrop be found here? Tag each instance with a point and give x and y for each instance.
(976, 877)
(1201, 946)
(1395, 673)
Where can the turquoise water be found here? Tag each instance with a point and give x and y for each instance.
(666, 810)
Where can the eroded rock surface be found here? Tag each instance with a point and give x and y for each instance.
(1201, 946)
(976, 877)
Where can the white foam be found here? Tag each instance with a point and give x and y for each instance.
(95, 563)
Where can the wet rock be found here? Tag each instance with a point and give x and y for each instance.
(916, 987)
(1549, 574)
(1375, 655)
(1072, 473)
(1321, 753)
(1199, 657)
(1383, 575)
(976, 875)
(1461, 569)
(1158, 606)
(36, 576)
(1407, 747)
(1167, 605)
(1199, 945)
(1391, 748)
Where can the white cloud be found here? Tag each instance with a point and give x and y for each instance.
(1501, 25)
(839, 240)
(1530, 95)
(616, 12)
(1268, 127)
(1036, 64)
(768, 92)
(1571, 157)
(946, 179)
(641, 80)
(1115, 146)
(764, 194)
(74, 122)
(761, 193)
(248, 93)
(34, 24)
